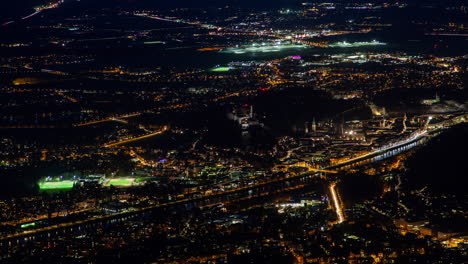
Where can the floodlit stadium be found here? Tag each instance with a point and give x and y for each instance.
(56, 185)
(121, 182)
(220, 69)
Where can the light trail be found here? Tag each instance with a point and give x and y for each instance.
(107, 119)
(38, 10)
(93, 122)
(137, 138)
(338, 208)
(196, 23)
(31, 15)
(119, 120)
(320, 170)
(447, 34)
(139, 158)
(69, 98)
(7, 23)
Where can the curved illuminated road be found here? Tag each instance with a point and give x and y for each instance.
(336, 203)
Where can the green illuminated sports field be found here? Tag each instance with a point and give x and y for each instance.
(60, 185)
(220, 69)
(120, 182)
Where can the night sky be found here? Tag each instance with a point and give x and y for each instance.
(12, 9)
